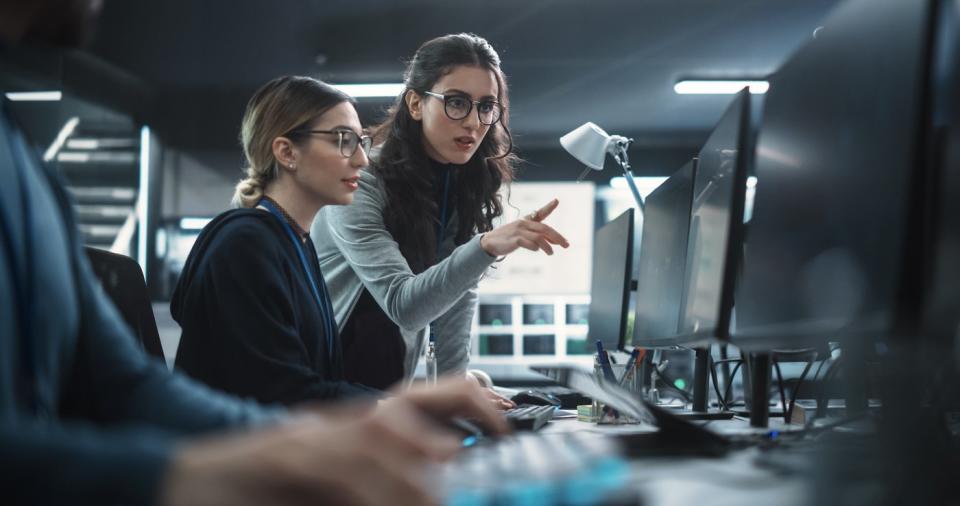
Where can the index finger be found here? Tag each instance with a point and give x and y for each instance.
(551, 234)
(545, 211)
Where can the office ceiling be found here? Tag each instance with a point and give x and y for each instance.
(568, 61)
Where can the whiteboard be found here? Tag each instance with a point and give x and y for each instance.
(567, 272)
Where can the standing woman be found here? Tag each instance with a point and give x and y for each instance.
(410, 251)
(251, 300)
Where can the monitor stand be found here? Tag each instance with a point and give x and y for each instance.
(759, 364)
(701, 393)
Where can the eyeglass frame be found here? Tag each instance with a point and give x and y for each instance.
(364, 141)
(472, 104)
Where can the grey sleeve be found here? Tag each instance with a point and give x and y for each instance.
(411, 300)
(452, 331)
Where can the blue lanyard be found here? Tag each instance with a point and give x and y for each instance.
(328, 326)
(442, 225)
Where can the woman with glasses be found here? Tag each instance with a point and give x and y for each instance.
(410, 250)
(255, 312)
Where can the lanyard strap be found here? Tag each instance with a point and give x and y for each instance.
(442, 225)
(315, 287)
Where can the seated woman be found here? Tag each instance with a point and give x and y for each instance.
(252, 303)
(410, 251)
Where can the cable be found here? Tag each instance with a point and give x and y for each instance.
(821, 394)
(728, 390)
(668, 381)
(788, 416)
(721, 398)
(783, 397)
(716, 384)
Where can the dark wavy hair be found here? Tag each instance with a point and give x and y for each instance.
(403, 166)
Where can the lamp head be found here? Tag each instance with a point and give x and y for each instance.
(587, 143)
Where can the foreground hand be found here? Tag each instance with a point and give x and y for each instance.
(458, 397)
(527, 232)
(352, 455)
(500, 402)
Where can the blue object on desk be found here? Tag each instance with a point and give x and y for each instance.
(605, 363)
(631, 365)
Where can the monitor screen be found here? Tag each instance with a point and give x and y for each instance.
(835, 165)
(610, 282)
(663, 250)
(942, 314)
(715, 237)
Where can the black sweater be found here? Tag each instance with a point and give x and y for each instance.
(250, 323)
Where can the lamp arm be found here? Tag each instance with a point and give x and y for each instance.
(618, 148)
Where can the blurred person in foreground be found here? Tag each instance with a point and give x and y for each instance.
(86, 417)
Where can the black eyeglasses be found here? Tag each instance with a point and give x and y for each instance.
(348, 140)
(458, 107)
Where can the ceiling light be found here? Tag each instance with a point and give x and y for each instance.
(194, 223)
(719, 87)
(34, 96)
(380, 90)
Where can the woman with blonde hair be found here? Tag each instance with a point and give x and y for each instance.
(252, 303)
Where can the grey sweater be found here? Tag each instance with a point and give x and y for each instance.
(356, 251)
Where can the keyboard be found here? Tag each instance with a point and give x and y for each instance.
(529, 417)
(526, 468)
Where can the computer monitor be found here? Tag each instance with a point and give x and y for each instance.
(941, 319)
(663, 250)
(610, 282)
(839, 180)
(715, 238)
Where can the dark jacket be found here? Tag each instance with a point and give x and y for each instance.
(251, 325)
(85, 416)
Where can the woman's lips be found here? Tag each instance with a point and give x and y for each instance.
(464, 143)
(352, 182)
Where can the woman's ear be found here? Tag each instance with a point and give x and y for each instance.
(285, 153)
(414, 104)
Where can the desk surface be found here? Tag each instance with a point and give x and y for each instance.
(741, 477)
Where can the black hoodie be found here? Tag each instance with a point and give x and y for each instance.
(250, 324)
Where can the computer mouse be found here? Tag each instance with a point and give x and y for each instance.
(536, 398)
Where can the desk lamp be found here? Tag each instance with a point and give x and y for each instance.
(590, 144)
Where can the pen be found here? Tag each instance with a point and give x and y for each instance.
(605, 363)
(631, 365)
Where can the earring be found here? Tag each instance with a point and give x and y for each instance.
(293, 166)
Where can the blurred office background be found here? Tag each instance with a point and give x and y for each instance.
(144, 123)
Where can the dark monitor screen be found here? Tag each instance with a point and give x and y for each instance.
(835, 164)
(942, 315)
(610, 282)
(714, 243)
(663, 250)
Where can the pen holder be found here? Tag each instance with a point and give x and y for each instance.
(631, 383)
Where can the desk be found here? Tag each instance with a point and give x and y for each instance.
(741, 477)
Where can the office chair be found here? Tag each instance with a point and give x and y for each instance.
(124, 283)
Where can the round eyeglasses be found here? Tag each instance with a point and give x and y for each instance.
(348, 141)
(458, 107)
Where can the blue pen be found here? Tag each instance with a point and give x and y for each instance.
(631, 364)
(605, 363)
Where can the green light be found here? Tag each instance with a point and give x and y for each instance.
(679, 383)
(496, 322)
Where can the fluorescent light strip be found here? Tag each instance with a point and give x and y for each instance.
(34, 96)
(193, 223)
(142, 198)
(381, 90)
(57, 144)
(704, 87)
